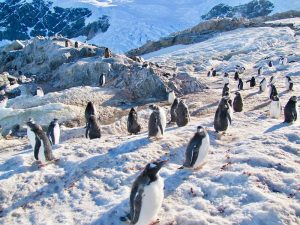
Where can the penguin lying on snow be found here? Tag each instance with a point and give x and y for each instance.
(53, 132)
(182, 114)
(288, 83)
(197, 149)
(291, 110)
(93, 129)
(157, 122)
(147, 194)
(275, 107)
(222, 118)
(238, 102)
(41, 144)
(133, 127)
(173, 110)
(89, 110)
(263, 85)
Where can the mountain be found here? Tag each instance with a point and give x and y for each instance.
(121, 24)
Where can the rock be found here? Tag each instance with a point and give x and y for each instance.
(15, 45)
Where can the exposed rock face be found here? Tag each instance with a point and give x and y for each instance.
(255, 8)
(23, 20)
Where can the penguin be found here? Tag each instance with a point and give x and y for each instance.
(263, 85)
(102, 80)
(291, 110)
(282, 60)
(226, 79)
(236, 76)
(241, 84)
(260, 71)
(214, 73)
(288, 83)
(252, 82)
(171, 97)
(39, 92)
(107, 53)
(209, 74)
(225, 89)
(76, 44)
(182, 114)
(275, 107)
(66, 43)
(41, 144)
(272, 80)
(227, 95)
(173, 110)
(197, 149)
(146, 196)
(3, 101)
(222, 118)
(270, 64)
(93, 129)
(133, 126)
(53, 132)
(89, 110)
(238, 102)
(30, 133)
(272, 91)
(157, 121)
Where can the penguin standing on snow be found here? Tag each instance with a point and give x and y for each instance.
(147, 194)
(102, 80)
(133, 127)
(173, 110)
(291, 110)
(39, 92)
(222, 118)
(288, 83)
(272, 80)
(229, 103)
(209, 74)
(53, 132)
(93, 129)
(236, 76)
(263, 85)
(197, 149)
(252, 82)
(157, 122)
(182, 114)
(241, 84)
(275, 107)
(260, 71)
(225, 89)
(41, 145)
(270, 64)
(89, 110)
(238, 102)
(30, 133)
(273, 91)
(214, 73)
(171, 97)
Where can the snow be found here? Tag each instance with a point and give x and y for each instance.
(251, 175)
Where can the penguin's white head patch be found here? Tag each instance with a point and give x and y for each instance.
(152, 165)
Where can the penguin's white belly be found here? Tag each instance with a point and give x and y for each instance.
(31, 137)
(3, 104)
(41, 155)
(56, 132)
(287, 85)
(264, 86)
(103, 80)
(163, 118)
(202, 151)
(151, 202)
(171, 97)
(230, 112)
(275, 109)
(40, 93)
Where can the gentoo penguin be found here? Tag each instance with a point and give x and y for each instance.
(222, 118)
(133, 126)
(53, 132)
(102, 80)
(272, 80)
(214, 73)
(171, 97)
(209, 74)
(282, 60)
(263, 85)
(89, 110)
(157, 121)
(225, 89)
(30, 133)
(3, 101)
(76, 44)
(270, 64)
(252, 82)
(238, 102)
(197, 149)
(291, 110)
(275, 107)
(182, 114)
(66, 43)
(288, 83)
(272, 91)
(39, 92)
(107, 53)
(173, 110)
(226, 79)
(227, 95)
(241, 84)
(41, 145)
(93, 129)
(147, 194)
(236, 76)
(260, 71)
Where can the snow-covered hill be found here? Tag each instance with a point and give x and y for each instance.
(121, 24)
(251, 175)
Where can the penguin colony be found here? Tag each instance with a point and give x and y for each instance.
(147, 192)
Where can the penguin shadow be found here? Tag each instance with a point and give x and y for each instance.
(198, 111)
(276, 127)
(260, 106)
(252, 94)
(283, 93)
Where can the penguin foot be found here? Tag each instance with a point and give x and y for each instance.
(199, 167)
(181, 168)
(125, 218)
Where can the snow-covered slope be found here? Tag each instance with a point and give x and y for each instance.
(251, 175)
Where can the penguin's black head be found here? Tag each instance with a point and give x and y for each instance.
(293, 98)
(153, 168)
(176, 101)
(237, 93)
(153, 107)
(201, 130)
(275, 98)
(226, 94)
(288, 77)
(92, 118)
(55, 120)
(132, 110)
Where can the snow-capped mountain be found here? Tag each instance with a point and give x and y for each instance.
(121, 24)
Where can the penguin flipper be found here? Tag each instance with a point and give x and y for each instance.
(229, 117)
(37, 147)
(136, 207)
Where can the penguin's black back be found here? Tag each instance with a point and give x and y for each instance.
(273, 91)
(89, 110)
(182, 115)
(133, 127)
(41, 137)
(153, 124)
(93, 129)
(238, 103)
(50, 132)
(290, 112)
(222, 118)
(173, 110)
